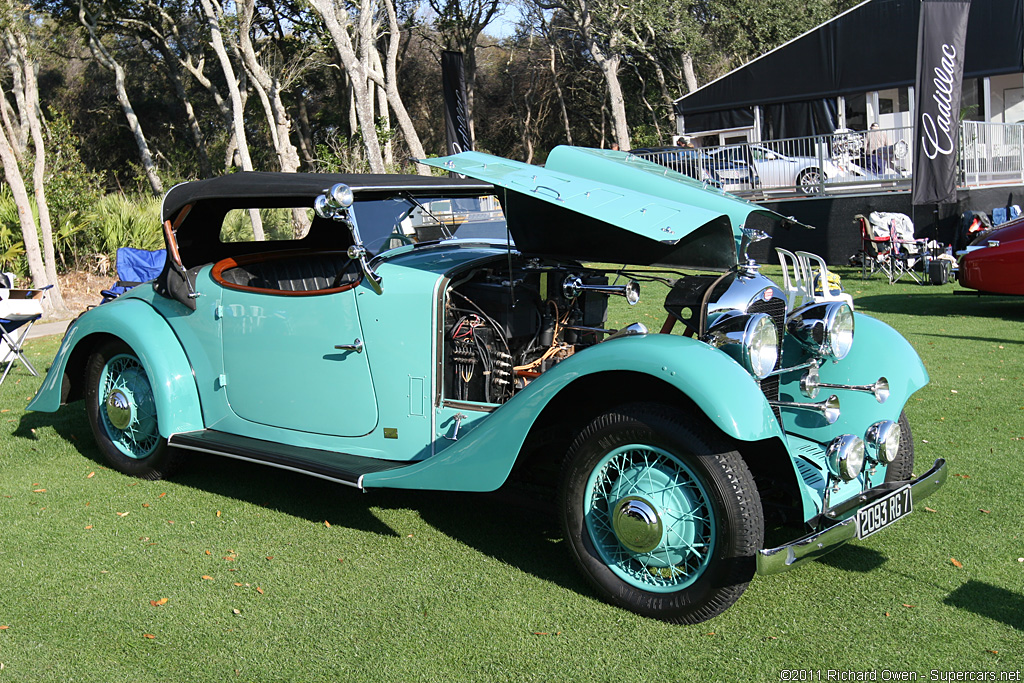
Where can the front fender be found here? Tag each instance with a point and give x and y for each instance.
(878, 351)
(482, 458)
(139, 326)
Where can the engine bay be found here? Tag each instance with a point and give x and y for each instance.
(509, 321)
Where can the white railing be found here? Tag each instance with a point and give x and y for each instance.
(845, 161)
(991, 153)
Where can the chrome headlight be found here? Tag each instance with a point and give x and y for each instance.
(883, 441)
(751, 340)
(845, 457)
(825, 329)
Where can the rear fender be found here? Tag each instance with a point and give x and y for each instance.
(139, 326)
(484, 454)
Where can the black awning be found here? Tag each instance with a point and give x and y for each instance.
(871, 47)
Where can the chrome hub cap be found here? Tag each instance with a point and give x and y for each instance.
(119, 409)
(637, 524)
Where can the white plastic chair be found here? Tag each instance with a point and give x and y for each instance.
(814, 269)
(795, 281)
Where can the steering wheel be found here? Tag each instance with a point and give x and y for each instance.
(340, 277)
(401, 237)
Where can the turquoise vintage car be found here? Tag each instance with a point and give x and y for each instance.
(451, 333)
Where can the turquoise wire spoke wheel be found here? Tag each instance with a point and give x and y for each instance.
(122, 412)
(650, 518)
(128, 413)
(661, 513)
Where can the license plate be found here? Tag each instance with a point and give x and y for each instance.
(884, 511)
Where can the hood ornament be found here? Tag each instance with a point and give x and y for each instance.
(750, 236)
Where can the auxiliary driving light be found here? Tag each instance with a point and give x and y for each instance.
(845, 456)
(883, 441)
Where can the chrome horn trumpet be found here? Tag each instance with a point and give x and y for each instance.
(573, 286)
(829, 408)
(811, 382)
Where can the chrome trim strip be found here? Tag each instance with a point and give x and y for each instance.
(794, 368)
(463, 405)
(790, 555)
(358, 484)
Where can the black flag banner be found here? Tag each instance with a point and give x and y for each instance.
(456, 118)
(940, 67)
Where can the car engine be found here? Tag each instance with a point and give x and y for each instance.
(508, 322)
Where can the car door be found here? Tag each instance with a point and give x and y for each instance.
(281, 367)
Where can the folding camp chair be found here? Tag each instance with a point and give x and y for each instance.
(134, 266)
(898, 261)
(19, 310)
(871, 248)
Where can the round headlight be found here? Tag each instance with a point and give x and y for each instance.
(883, 439)
(840, 331)
(750, 340)
(846, 457)
(762, 345)
(825, 329)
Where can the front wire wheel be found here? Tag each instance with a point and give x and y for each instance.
(902, 468)
(122, 412)
(661, 514)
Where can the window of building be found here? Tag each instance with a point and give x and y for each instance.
(857, 111)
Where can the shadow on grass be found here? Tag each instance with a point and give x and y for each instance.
(989, 601)
(941, 302)
(854, 558)
(508, 525)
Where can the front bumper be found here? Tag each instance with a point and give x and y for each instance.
(785, 557)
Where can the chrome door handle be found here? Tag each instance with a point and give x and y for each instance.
(356, 346)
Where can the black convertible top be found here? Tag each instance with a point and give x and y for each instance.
(196, 234)
(241, 190)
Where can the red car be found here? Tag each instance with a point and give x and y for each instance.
(994, 262)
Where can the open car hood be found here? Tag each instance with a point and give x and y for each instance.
(608, 206)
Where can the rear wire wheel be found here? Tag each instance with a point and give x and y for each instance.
(661, 513)
(122, 412)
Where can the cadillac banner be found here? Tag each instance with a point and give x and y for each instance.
(456, 118)
(940, 67)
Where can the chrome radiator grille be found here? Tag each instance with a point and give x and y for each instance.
(776, 308)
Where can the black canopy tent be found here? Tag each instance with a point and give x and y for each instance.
(872, 46)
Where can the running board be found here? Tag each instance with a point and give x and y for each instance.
(341, 468)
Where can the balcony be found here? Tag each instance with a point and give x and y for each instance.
(846, 162)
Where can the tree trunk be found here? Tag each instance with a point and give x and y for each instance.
(270, 90)
(237, 105)
(305, 133)
(688, 72)
(174, 71)
(561, 97)
(609, 65)
(412, 138)
(107, 60)
(28, 225)
(357, 71)
(54, 301)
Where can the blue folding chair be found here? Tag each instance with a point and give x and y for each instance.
(19, 310)
(134, 266)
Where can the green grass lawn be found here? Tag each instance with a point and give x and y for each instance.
(238, 572)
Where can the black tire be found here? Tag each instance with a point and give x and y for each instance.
(625, 474)
(122, 414)
(902, 468)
